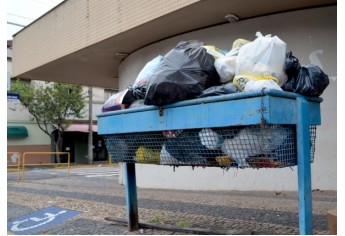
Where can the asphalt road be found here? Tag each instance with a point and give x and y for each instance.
(47, 173)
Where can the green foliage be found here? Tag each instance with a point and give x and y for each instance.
(183, 224)
(51, 103)
(156, 219)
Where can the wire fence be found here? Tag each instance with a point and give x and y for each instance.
(258, 146)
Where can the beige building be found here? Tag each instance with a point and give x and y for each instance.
(24, 135)
(106, 44)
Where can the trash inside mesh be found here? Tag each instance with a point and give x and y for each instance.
(269, 146)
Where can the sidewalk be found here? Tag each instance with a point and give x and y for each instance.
(235, 212)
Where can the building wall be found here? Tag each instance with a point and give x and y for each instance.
(312, 37)
(36, 136)
(31, 158)
(97, 103)
(38, 141)
(9, 68)
(114, 17)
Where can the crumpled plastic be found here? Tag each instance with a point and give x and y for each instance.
(140, 84)
(251, 142)
(114, 102)
(264, 56)
(219, 90)
(258, 85)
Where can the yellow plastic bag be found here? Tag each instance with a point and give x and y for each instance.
(224, 160)
(212, 50)
(239, 43)
(226, 65)
(144, 155)
(240, 81)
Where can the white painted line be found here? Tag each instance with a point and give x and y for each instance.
(92, 176)
(95, 173)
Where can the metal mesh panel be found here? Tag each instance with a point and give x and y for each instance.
(268, 146)
(312, 130)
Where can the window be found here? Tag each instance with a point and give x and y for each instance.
(109, 92)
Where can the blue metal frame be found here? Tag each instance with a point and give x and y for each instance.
(219, 111)
(222, 111)
(131, 196)
(304, 167)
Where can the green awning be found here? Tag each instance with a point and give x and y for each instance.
(17, 132)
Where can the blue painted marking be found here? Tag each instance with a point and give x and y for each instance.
(39, 220)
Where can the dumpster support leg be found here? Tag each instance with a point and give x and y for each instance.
(304, 167)
(131, 197)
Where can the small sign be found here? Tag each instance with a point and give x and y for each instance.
(39, 220)
(12, 96)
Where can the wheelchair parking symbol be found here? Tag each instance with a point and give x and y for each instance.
(39, 220)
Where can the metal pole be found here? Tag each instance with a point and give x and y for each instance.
(90, 142)
(18, 177)
(23, 166)
(304, 167)
(68, 164)
(131, 197)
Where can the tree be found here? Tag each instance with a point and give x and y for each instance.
(52, 105)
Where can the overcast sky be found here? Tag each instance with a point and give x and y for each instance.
(23, 12)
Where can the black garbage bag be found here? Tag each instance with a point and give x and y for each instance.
(219, 90)
(183, 74)
(188, 148)
(139, 92)
(117, 148)
(307, 80)
(291, 65)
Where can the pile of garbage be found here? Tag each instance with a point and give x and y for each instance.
(271, 146)
(195, 70)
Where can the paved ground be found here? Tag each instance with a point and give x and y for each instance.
(95, 192)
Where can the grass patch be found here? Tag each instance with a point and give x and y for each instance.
(184, 224)
(156, 219)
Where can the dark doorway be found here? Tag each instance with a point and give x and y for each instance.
(76, 143)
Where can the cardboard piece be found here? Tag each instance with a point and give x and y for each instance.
(332, 221)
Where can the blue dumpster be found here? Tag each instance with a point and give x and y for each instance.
(263, 129)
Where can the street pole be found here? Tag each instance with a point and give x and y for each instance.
(90, 143)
